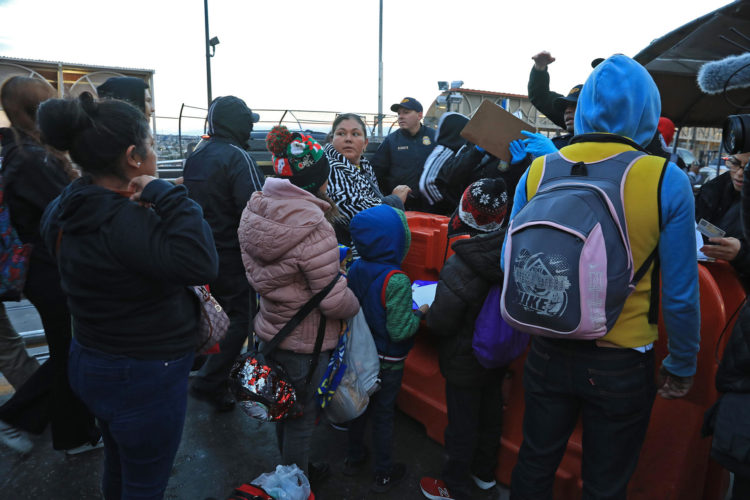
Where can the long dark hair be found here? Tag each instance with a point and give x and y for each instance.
(20, 97)
(96, 134)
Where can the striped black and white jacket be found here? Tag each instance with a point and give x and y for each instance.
(353, 189)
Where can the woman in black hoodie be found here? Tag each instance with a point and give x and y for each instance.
(128, 245)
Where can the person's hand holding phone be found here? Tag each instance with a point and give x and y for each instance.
(725, 248)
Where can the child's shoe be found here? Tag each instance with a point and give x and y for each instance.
(434, 489)
(384, 482)
(482, 484)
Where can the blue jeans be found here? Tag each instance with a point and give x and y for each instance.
(382, 410)
(611, 389)
(141, 408)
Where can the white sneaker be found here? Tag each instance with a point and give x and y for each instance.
(85, 447)
(15, 438)
(483, 485)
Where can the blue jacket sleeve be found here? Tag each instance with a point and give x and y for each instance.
(519, 201)
(679, 273)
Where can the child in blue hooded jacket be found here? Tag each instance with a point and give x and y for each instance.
(382, 238)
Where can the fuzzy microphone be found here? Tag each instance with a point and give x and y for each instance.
(732, 72)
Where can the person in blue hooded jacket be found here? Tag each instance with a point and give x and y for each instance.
(382, 239)
(610, 381)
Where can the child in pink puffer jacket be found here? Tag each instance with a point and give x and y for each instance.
(290, 253)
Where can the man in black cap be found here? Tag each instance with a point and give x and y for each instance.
(401, 156)
(221, 175)
(559, 109)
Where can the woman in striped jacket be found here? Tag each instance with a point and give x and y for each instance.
(352, 183)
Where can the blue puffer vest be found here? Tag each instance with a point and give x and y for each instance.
(380, 237)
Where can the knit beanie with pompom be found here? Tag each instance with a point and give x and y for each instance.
(298, 157)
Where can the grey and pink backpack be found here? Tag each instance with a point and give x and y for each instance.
(568, 262)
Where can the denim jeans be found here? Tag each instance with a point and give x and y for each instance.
(472, 437)
(294, 435)
(141, 408)
(611, 389)
(382, 410)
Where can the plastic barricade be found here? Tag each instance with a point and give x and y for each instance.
(429, 239)
(674, 461)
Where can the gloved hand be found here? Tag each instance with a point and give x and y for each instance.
(517, 151)
(671, 386)
(480, 149)
(538, 144)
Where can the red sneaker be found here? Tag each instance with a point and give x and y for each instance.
(434, 489)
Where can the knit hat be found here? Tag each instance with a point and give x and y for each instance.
(483, 207)
(298, 157)
(666, 129)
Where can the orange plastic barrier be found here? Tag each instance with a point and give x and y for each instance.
(674, 462)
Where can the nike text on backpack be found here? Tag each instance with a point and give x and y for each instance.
(568, 261)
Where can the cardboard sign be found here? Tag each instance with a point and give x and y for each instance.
(494, 129)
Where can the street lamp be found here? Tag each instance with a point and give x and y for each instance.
(210, 51)
(452, 97)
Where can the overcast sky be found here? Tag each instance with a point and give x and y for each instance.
(324, 55)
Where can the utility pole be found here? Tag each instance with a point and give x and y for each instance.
(380, 73)
(208, 56)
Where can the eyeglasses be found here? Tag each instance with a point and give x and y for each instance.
(733, 163)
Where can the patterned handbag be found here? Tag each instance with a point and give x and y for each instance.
(260, 385)
(214, 322)
(14, 256)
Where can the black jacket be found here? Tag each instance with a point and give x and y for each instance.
(32, 178)
(470, 165)
(221, 176)
(719, 203)
(400, 160)
(124, 267)
(543, 99)
(464, 283)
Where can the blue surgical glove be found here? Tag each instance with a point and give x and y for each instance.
(517, 151)
(479, 148)
(538, 144)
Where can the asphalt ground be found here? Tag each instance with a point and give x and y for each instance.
(218, 452)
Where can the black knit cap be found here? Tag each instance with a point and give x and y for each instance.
(483, 208)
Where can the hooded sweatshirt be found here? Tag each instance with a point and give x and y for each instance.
(621, 98)
(381, 235)
(290, 253)
(125, 268)
(449, 141)
(221, 175)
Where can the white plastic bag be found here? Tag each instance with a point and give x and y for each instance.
(361, 378)
(287, 482)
